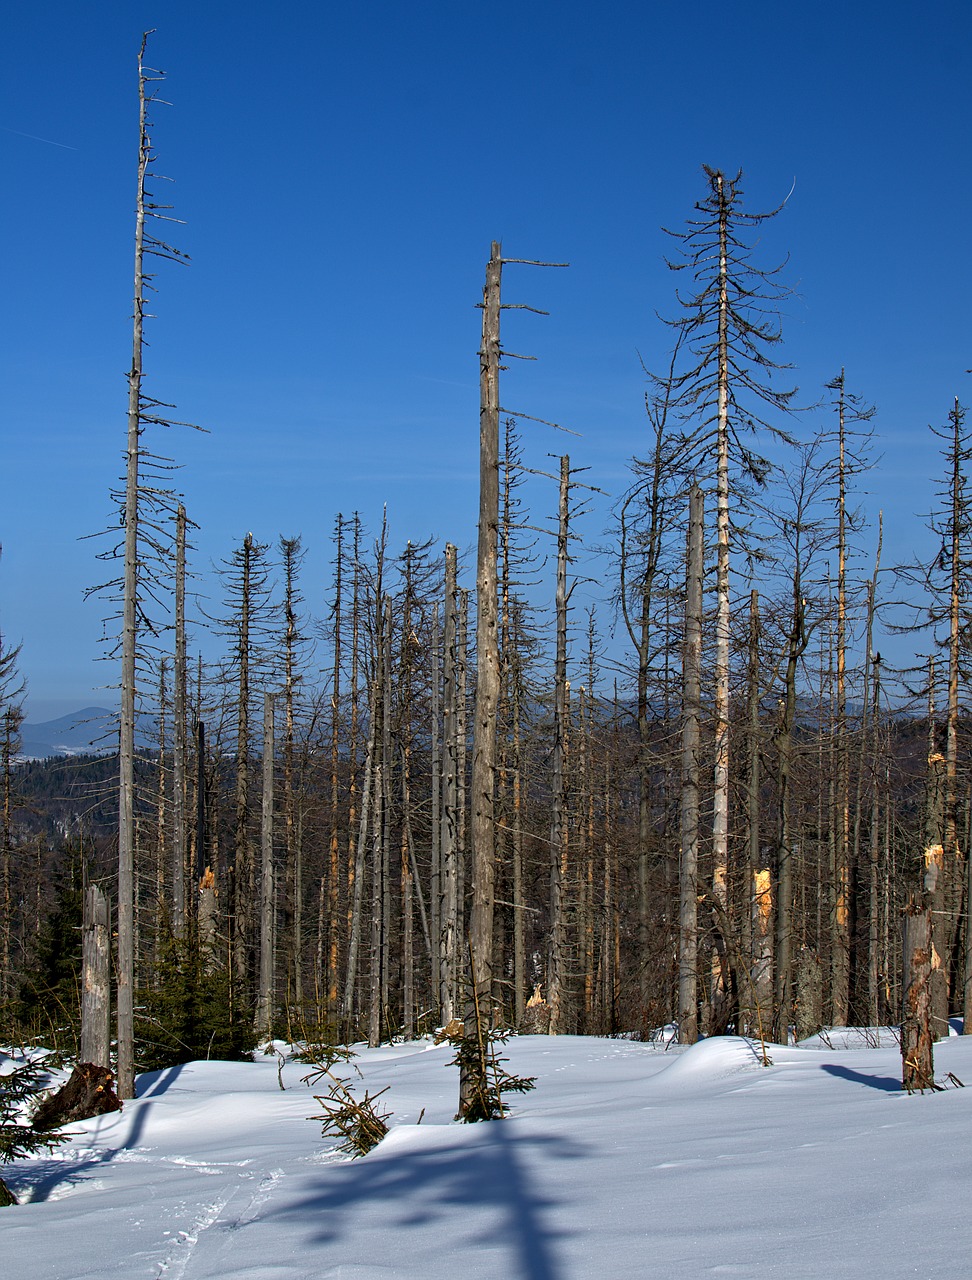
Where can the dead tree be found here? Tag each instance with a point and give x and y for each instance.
(688, 927)
(263, 1020)
(917, 1054)
(449, 805)
(483, 782)
(142, 411)
(729, 330)
(557, 963)
(95, 979)
(179, 678)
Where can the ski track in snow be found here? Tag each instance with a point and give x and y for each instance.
(212, 1228)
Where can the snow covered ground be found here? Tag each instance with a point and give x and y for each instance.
(626, 1161)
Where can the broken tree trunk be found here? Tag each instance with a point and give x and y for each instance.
(95, 978)
(917, 1058)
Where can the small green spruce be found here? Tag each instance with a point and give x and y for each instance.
(18, 1139)
(191, 1011)
(478, 1061)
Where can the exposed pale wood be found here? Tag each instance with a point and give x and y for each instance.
(917, 1054)
(96, 979)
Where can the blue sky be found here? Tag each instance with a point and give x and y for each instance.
(342, 170)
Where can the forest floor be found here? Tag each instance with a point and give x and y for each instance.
(628, 1160)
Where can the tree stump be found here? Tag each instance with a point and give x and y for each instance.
(917, 1039)
(536, 1017)
(89, 1092)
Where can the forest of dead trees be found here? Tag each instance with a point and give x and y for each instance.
(704, 803)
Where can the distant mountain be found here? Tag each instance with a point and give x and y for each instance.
(90, 730)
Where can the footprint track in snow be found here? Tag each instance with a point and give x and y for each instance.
(214, 1219)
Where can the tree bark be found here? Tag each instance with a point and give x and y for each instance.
(917, 1054)
(96, 979)
(264, 1009)
(482, 832)
(688, 929)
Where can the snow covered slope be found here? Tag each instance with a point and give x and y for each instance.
(627, 1161)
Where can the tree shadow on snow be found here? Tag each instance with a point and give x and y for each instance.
(39, 1183)
(887, 1084)
(486, 1176)
(151, 1083)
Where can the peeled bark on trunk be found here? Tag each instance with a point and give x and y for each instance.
(917, 1054)
(95, 979)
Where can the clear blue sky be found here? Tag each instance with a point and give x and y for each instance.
(342, 170)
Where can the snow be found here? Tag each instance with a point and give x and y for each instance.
(628, 1160)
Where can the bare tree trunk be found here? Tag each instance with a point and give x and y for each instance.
(126, 747)
(380, 908)
(758, 914)
(483, 834)
(719, 992)
(204, 873)
(95, 979)
(873, 921)
(264, 1009)
(435, 878)
(786, 846)
(934, 882)
(160, 808)
(519, 901)
(688, 928)
(840, 921)
(330, 892)
(917, 1054)
(179, 678)
(462, 751)
(12, 717)
(355, 863)
(242, 887)
(291, 554)
(358, 869)
(559, 833)
(449, 824)
(948, 927)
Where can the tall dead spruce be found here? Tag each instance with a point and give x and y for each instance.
(728, 330)
(140, 501)
(482, 829)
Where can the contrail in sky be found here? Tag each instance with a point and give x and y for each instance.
(34, 138)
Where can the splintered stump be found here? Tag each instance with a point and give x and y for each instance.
(90, 1091)
(917, 1058)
